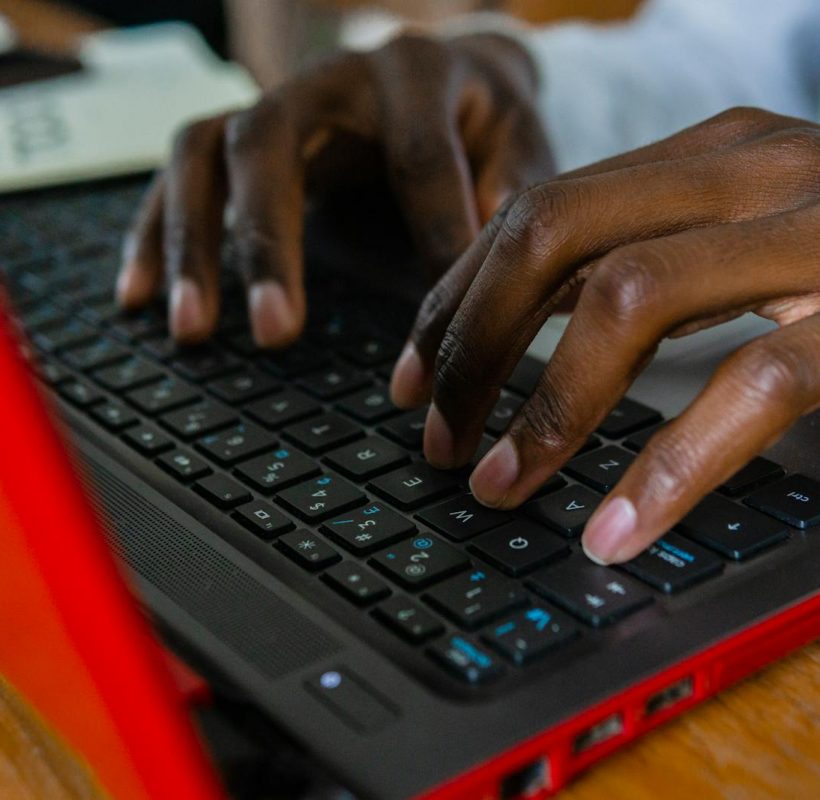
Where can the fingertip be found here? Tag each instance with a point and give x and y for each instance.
(189, 320)
(135, 285)
(496, 473)
(275, 321)
(609, 536)
(439, 443)
(408, 383)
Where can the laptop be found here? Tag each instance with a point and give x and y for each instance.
(351, 605)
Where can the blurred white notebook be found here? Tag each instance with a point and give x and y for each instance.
(119, 114)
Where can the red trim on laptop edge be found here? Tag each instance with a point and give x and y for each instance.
(710, 670)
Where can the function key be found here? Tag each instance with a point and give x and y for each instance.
(596, 595)
(475, 598)
(366, 458)
(530, 634)
(198, 420)
(637, 441)
(414, 485)
(462, 518)
(467, 660)
(566, 511)
(237, 443)
(184, 465)
(501, 415)
(283, 408)
(733, 530)
(262, 519)
(369, 405)
(408, 619)
(222, 491)
(320, 498)
(370, 351)
(420, 561)
(355, 583)
(114, 415)
(241, 388)
(601, 469)
(204, 363)
(673, 563)
(334, 382)
(758, 470)
(148, 440)
(519, 547)
(627, 416)
(407, 430)
(169, 394)
(794, 500)
(318, 434)
(369, 528)
(273, 471)
(308, 550)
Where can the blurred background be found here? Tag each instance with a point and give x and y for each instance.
(274, 37)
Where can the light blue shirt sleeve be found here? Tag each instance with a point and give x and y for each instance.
(606, 89)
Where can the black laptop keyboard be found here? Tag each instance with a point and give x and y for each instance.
(304, 449)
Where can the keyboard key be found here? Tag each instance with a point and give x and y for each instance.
(467, 660)
(414, 485)
(222, 491)
(81, 393)
(364, 530)
(101, 353)
(475, 598)
(408, 619)
(296, 360)
(204, 363)
(320, 498)
(462, 518)
(794, 500)
(758, 470)
(198, 420)
(501, 415)
(355, 583)
(319, 434)
(307, 550)
(72, 332)
(519, 547)
(52, 373)
(369, 405)
(274, 471)
(529, 634)
(420, 561)
(128, 375)
(160, 348)
(236, 444)
(673, 563)
(484, 446)
(526, 375)
(262, 519)
(148, 440)
(283, 408)
(601, 469)
(407, 430)
(596, 595)
(165, 396)
(335, 381)
(366, 458)
(733, 530)
(131, 327)
(627, 416)
(184, 465)
(565, 511)
(370, 352)
(242, 387)
(637, 441)
(114, 415)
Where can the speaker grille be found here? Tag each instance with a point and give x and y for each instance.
(245, 615)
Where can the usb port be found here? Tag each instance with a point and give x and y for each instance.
(669, 696)
(600, 732)
(528, 781)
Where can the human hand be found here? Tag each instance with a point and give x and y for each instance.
(451, 123)
(720, 219)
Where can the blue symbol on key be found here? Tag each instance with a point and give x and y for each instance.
(371, 510)
(477, 576)
(324, 481)
(540, 617)
(391, 556)
(341, 522)
(282, 453)
(507, 627)
(423, 543)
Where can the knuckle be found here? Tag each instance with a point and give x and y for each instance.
(669, 468)
(434, 308)
(742, 117)
(536, 220)
(455, 365)
(246, 130)
(412, 47)
(548, 420)
(769, 373)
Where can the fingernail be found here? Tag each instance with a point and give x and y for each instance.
(187, 309)
(495, 474)
(408, 378)
(439, 449)
(609, 530)
(272, 318)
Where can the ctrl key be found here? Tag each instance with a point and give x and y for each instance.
(467, 660)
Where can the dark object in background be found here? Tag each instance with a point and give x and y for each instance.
(206, 15)
(22, 66)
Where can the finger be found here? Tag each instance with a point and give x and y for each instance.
(413, 377)
(767, 385)
(141, 272)
(635, 296)
(195, 196)
(550, 232)
(427, 164)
